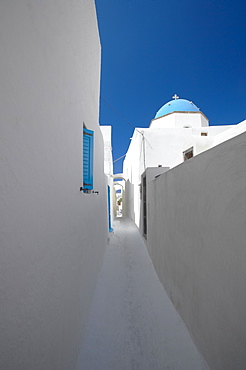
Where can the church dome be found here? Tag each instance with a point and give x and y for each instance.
(177, 105)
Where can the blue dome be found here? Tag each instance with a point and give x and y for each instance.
(178, 105)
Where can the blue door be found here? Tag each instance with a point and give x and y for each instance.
(109, 212)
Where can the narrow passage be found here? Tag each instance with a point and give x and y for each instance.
(133, 324)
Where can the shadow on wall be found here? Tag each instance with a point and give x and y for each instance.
(196, 238)
(150, 174)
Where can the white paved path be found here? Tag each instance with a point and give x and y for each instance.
(133, 324)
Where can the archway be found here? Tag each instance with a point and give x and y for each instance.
(119, 194)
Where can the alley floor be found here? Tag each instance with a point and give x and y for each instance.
(133, 324)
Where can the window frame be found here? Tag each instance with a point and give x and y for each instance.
(188, 154)
(88, 158)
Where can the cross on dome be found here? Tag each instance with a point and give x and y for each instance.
(177, 105)
(175, 96)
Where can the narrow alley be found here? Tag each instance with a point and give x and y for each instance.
(133, 324)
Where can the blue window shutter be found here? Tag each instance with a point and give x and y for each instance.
(88, 139)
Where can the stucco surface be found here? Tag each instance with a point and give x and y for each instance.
(152, 147)
(51, 247)
(196, 239)
(108, 168)
(180, 119)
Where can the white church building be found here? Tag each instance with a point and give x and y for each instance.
(179, 131)
(191, 212)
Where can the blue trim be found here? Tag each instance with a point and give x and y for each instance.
(88, 146)
(109, 212)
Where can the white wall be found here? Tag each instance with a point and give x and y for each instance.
(231, 132)
(180, 119)
(149, 174)
(108, 166)
(152, 147)
(108, 159)
(53, 236)
(196, 239)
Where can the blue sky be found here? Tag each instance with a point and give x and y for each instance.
(152, 49)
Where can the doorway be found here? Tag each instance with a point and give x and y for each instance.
(144, 206)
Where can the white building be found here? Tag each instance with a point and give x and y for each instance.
(108, 170)
(53, 236)
(192, 215)
(178, 132)
(195, 235)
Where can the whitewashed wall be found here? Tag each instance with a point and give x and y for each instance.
(180, 119)
(152, 147)
(108, 166)
(149, 174)
(108, 159)
(53, 237)
(196, 239)
(228, 134)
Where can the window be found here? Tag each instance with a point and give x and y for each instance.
(88, 141)
(204, 134)
(188, 154)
